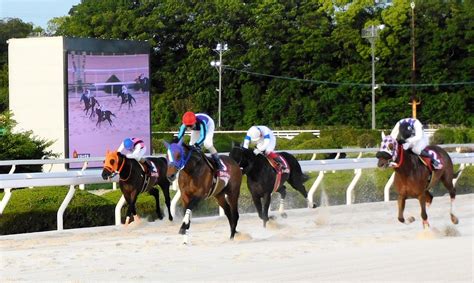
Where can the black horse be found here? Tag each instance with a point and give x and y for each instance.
(261, 178)
(142, 83)
(90, 103)
(133, 181)
(126, 98)
(104, 115)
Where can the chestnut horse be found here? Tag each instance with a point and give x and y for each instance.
(261, 178)
(196, 182)
(133, 181)
(413, 178)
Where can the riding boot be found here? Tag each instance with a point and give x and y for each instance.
(217, 160)
(436, 163)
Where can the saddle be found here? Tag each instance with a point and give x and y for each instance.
(149, 174)
(427, 162)
(218, 183)
(279, 170)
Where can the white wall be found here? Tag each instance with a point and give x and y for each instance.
(36, 87)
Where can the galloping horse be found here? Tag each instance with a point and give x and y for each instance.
(89, 104)
(262, 178)
(134, 180)
(103, 115)
(196, 182)
(142, 83)
(126, 98)
(413, 178)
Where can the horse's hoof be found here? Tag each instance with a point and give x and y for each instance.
(271, 217)
(454, 219)
(410, 219)
(170, 218)
(284, 215)
(182, 231)
(313, 206)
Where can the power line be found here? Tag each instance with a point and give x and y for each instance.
(349, 83)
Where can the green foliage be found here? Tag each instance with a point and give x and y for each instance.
(308, 40)
(33, 210)
(453, 135)
(23, 145)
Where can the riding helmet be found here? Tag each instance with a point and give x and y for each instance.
(254, 133)
(128, 143)
(189, 118)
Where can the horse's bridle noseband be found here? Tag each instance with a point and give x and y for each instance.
(179, 165)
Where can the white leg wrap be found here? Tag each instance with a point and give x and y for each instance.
(282, 206)
(452, 206)
(187, 216)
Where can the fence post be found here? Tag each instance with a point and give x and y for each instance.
(386, 189)
(118, 209)
(63, 206)
(84, 166)
(313, 188)
(358, 173)
(8, 193)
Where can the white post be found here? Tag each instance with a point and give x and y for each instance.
(314, 187)
(118, 208)
(5, 199)
(8, 193)
(386, 189)
(84, 167)
(358, 173)
(174, 201)
(63, 206)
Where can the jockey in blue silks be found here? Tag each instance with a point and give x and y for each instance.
(136, 149)
(409, 132)
(202, 133)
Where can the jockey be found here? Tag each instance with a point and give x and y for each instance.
(135, 149)
(409, 132)
(124, 89)
(265, 142)
(202, 133)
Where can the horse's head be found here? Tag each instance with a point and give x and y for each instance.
(111, 165)
(388, 151)
(243, 156)
(177, 159)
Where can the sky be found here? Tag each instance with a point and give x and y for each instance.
(38, 12)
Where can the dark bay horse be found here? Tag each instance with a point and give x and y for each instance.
(126, 98)
(261, 178)
(196, 182)
(413, 178)
(133, 181)
(104, 115)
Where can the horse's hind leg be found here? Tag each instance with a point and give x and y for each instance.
(155, 193)
(258, 204)
(227, 210)
(281, 209)
(166, 192)
(448, 183)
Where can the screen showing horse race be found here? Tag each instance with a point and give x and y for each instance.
(108, 99)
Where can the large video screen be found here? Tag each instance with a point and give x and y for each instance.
(108, 99)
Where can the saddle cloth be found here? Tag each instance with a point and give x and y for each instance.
(274, 164)
(427, 160)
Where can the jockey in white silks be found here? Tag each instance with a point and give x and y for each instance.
(265, 142)
(409, 132)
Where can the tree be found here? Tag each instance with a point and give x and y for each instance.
(21, 145)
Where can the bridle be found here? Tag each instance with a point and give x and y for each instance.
(181, 163)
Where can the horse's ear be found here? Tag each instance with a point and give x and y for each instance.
(180, 142)
(167, 145)
(383, 135)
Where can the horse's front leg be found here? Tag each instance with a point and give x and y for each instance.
(424, 215)
(266, 205)
(401, 208)
(184, 229)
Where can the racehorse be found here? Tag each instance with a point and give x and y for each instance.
(197, 181)
(413, 178)
(103, 115)
(89, 104)
(262, 178)
(134, 179)
(126, 98)
(142, 83)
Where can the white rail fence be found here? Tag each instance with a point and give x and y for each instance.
(287, 134)
(82, 177)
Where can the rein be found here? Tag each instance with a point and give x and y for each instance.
(401, 156)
